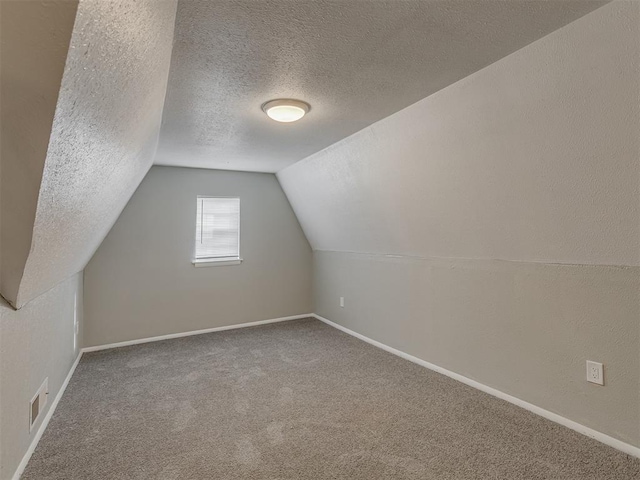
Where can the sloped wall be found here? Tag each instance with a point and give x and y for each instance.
(104, 134)
(531, 159)
(34, 38)
(450, 226)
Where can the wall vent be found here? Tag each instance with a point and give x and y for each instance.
(38, 402)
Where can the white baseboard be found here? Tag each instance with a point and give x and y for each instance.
(45, 421)
(194, 332)
(554, 417)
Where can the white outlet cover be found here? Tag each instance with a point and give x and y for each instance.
(595, 372)
(342, 301)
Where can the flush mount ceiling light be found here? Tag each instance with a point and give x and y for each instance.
(286, 110)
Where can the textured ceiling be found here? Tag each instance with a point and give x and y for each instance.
(354, 61)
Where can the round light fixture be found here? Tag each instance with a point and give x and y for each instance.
(286, 110)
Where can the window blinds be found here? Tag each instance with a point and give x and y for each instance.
(218, 228)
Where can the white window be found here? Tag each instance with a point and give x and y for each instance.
(217, 231)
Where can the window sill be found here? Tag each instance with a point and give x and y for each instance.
(216, 263)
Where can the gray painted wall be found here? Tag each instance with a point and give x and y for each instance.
(484, 194)
(525, 329)
(141, 283)
(36, 342)
(104, 133)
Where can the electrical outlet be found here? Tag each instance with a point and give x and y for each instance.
(342, 302)
(595, 373)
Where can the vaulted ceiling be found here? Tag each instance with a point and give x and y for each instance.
(533, 159)
(67, 176)
(355, 62)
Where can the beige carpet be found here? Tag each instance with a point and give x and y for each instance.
(296, 400)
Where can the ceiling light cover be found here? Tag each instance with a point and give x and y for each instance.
(286, 110)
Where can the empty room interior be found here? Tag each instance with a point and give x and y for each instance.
(320, 239)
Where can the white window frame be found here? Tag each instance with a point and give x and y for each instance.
(223, 261)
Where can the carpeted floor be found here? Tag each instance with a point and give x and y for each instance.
(296, 400)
